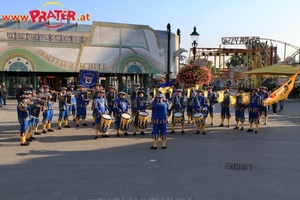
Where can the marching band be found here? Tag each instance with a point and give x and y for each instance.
(110, 105)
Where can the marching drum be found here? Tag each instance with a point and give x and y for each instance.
(125, 121)
(36, 111)
(199, 118)
(178, 118)
(143, 119)
(105, 123)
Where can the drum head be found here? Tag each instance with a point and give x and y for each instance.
(178, 114)
(143, 114)
(126, 116)
(106, 116)
(198, 115)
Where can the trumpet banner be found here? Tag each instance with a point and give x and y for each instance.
(220, 96)
(246, 98)
(282, 92)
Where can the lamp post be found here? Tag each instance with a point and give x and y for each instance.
(194, 35)
(168, 56)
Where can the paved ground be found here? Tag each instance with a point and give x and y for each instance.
(70, 164)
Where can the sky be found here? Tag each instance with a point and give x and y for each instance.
(214, 19)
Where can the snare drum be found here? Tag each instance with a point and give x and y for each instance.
(125, 121)
(143, 119)
(178, 118)
(105, 123)
(198, 117)
(35, 111)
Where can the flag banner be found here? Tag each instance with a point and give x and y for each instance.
(166, 84)
(164, 87)
(282, 92)
(88, 78)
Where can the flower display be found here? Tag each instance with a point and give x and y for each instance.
(194, 74)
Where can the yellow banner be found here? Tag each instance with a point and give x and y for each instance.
(282, 92)
(164, 90)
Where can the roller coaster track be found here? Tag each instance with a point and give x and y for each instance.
(286, 60)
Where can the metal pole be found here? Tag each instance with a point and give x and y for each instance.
(169, 47)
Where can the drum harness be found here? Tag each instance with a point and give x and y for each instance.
(198, 102)
(178, 101)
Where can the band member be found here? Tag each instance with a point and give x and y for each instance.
(239, 111)
(154, 94)
(111, 96)
(264, 109)
(178, 107)
(121, 106)
(254, 107)
(169, 99)
(48, 111)
(159, 121)
(23, 117)
(200, 105)
(212, 100)
(81, 103)
(94, 94)
(29, 103)
(133, 96)
(225, 108)
(140, 106)
(72, 107)
(100, 108)
(35, 121)
(191, 94)
(154, 91)
(63, 108)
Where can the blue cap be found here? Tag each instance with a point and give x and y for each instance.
(23, 97)
(159, 96)
(28, 92)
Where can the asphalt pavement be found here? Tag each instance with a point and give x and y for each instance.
(224, 164)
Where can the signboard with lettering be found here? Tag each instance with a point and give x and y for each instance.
(240, 40)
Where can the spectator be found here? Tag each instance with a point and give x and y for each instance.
(1, 95)
(281, 105)
(4, 93)
(19, 92)
(30, 87)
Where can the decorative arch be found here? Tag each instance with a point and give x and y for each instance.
(134, 67)
(134, 63)
(18, 64)
(16, 60)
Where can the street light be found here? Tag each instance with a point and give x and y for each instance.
(168, 56)
(194, 35)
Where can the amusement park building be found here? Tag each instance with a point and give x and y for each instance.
(32, 53)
